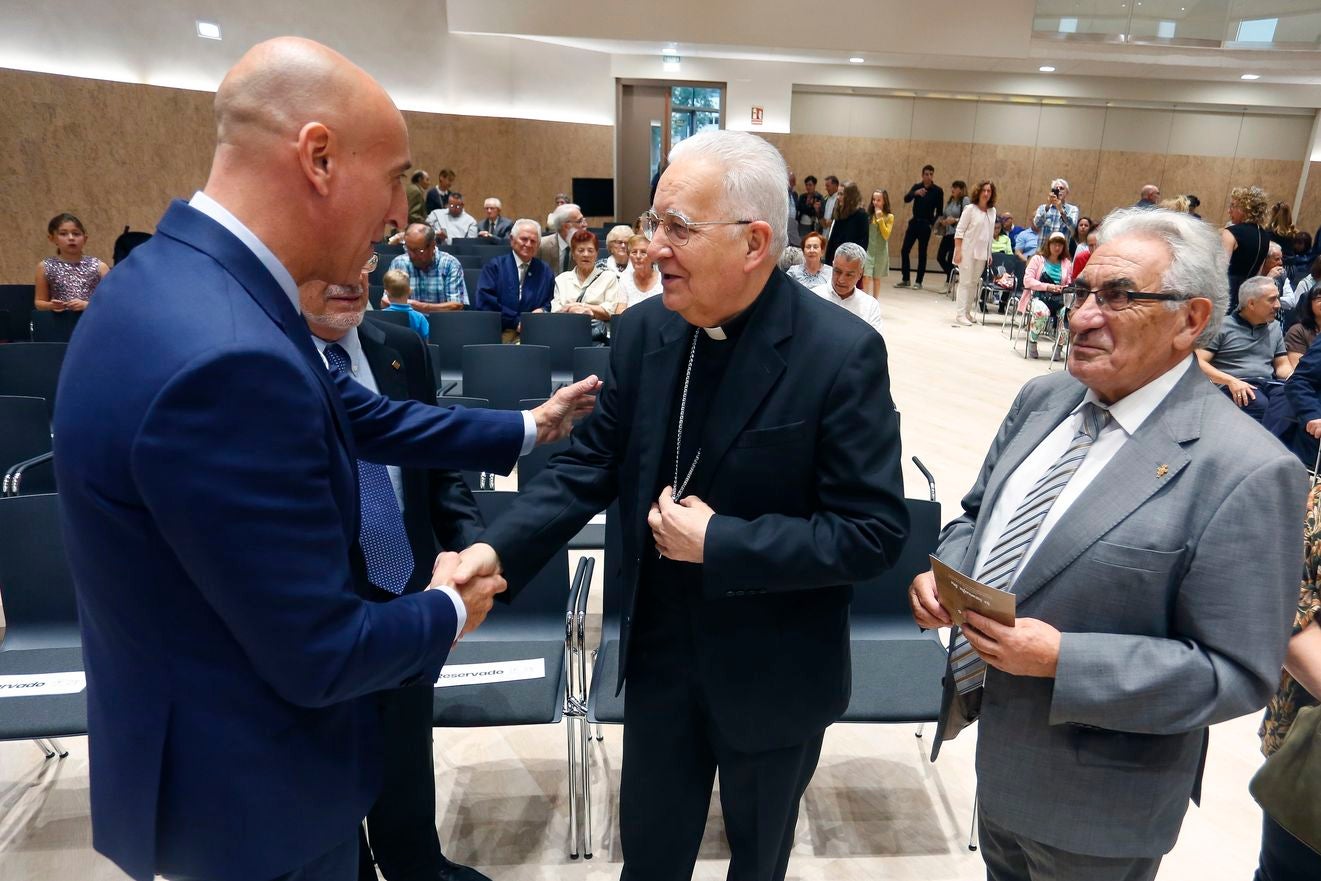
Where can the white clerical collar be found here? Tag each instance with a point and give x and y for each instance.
(221, 215)
(716, 333)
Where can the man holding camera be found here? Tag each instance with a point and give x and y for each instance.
(1056, 215)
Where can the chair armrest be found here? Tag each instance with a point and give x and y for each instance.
(14, 476)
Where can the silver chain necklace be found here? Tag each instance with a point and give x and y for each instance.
(677, 488)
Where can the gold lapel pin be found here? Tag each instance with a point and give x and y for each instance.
(1162, 470)
(396, 365)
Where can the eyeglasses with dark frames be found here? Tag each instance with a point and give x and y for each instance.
(1114, 299)
(678, 229)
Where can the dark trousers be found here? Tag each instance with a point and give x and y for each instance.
(337, 864)
(920, 232)
(672, 754)
(402, 822)
(1283, 857)
(945, 255)
(1011, 857)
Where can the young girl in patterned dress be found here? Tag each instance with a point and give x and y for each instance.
(65, 282)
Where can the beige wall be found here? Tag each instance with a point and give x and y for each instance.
(116, 153)
(1106, 154)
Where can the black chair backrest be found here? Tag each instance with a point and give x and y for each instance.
(375, 293)
(17, 300)
(461, 401)
(591, 361)
(505, 375)
(542, 600)
(534, 463)
(451, 331)
(36, 586)
(885, 598)
(31, 370)
(471, 278)
(470, 261)
(388, 251)
(25, 432)
(560, 332)
(388, 317)
(127, 241)
(53, 327)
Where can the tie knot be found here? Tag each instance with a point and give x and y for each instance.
(1094, 419)
(336, 358)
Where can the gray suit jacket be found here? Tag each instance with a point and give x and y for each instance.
(550, 252)
(1174, 579)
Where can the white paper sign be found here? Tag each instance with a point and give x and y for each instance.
(496, 671)
(38, 684)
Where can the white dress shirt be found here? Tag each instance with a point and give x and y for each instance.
(861, 304)
(461, 227)
(362, 372)
(217, 212)
(1127, 416)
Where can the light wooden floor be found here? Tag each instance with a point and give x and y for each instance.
(876, 808)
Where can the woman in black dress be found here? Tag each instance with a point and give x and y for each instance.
(850, 221)
(1246, 241)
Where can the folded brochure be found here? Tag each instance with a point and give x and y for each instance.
(958, 592)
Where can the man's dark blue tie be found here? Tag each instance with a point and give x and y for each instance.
(381, 532)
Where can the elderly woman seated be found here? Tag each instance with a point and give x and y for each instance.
(587, 289)
(616, 246)
(813, 273)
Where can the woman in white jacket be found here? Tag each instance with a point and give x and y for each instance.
(972, 247)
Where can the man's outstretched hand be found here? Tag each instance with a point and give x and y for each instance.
(555, 418)
(476, 588)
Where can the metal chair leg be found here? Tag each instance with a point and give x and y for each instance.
(600, 733)
(920, 728)
(47, 751)
(58, 747)
(585, 768)
(972, 832)
(573, 791)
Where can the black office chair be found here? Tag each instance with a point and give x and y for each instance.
(561, 333)
(540, 627)
(470, 261)
(591, 361)
(26, 435)
(506, 375)
(476, 480)
(53, 327)
(471, 278)
(387, 251)
(31, 370)
(450, 332)
(17, 300)
(385, 316)
(41, 622)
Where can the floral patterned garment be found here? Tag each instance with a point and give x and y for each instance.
(1283, 707)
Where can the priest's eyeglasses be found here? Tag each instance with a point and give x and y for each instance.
(678, 228)
(1113, 299)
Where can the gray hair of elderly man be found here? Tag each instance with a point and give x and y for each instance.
(524, 222)
(1059, 182)
(754, 176)
(852, 252)
(1198, 267)
(561, 214)
(790, 257)
(1257, 286)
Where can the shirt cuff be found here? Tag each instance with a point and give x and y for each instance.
(529, 432)
(460, 610)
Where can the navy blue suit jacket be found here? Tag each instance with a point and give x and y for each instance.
(497, 290)
(210, 508)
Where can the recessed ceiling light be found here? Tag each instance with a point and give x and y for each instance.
(1250, 76)
(670, 63)
(1046, 68)
(856, 60)
(208, 30)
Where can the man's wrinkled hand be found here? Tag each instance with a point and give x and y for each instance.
(1030, 648)
(679, 528)
(442, 571)
(556, 417)
(925, 602)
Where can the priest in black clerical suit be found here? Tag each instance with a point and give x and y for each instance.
(770, 409)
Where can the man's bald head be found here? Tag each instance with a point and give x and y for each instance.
(311, 155)
(280, 85)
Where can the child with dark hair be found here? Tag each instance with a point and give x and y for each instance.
(65, 282)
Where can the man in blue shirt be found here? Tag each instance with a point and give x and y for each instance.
(435, 278)
(396, 291)
(1026, 244)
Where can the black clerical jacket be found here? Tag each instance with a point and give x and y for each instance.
(800, 461)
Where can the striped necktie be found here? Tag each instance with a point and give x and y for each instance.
(1003, 561)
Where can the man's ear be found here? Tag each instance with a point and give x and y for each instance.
(316, 146)
(1197, 313)
(758, 239)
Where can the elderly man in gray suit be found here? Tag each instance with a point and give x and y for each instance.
(1149, 531)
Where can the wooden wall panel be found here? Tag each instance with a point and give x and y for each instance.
(117, 153)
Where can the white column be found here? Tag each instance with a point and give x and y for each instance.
(1313, 155)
